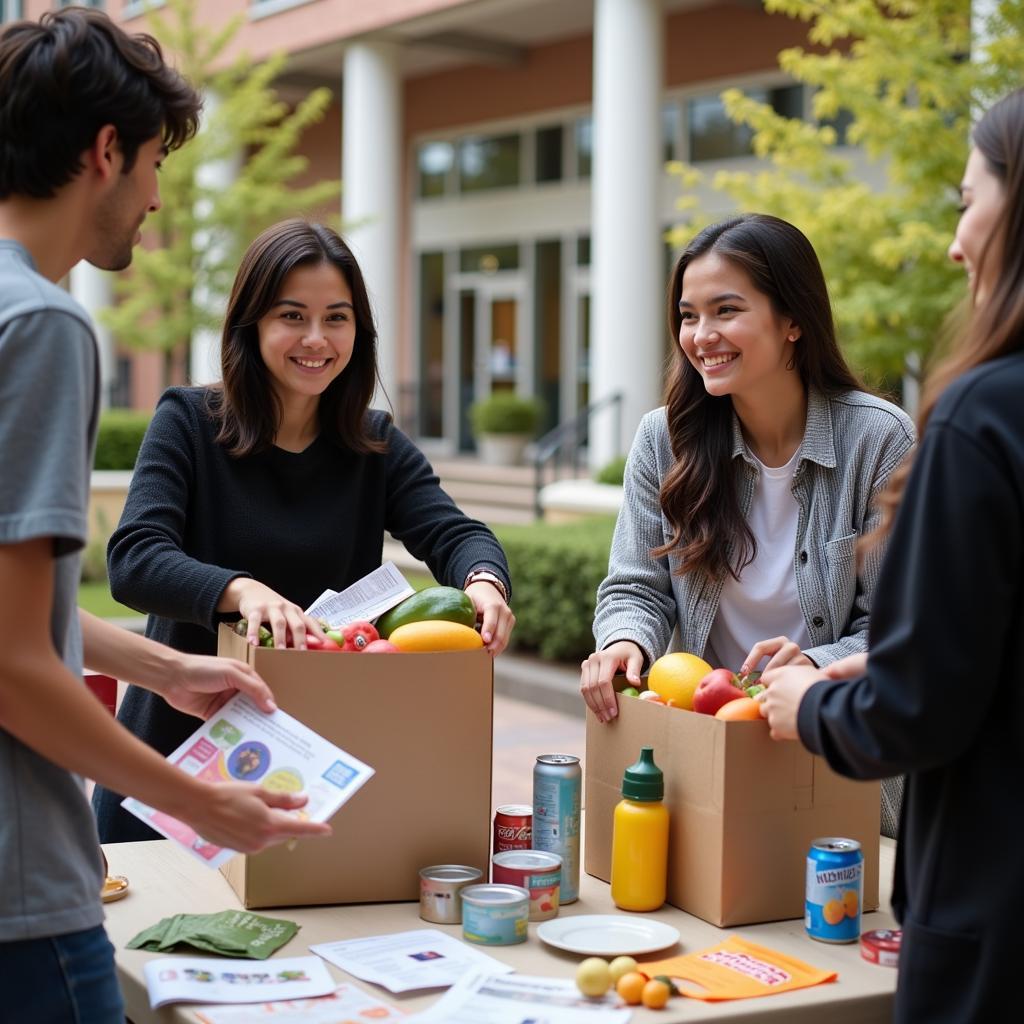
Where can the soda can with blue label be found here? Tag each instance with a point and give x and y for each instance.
(557, 793)
(835, 885)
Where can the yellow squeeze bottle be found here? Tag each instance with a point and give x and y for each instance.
(640, 837)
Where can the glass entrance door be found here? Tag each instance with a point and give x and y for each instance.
(491, 342)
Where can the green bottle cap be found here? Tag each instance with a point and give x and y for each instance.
(644, 780)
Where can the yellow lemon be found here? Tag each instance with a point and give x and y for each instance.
(675, 677)
(435, 635)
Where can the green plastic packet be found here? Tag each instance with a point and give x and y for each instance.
(234, 933)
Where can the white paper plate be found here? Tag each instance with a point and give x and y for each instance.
(607, 934)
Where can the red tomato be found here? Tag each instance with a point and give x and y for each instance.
(358, 635)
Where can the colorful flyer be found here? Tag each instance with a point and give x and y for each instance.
(241, 743)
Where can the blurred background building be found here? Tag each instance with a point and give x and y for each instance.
(504, 184)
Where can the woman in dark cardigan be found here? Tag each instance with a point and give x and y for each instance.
(253, 496)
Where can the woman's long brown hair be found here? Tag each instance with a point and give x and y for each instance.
(996, 327)
(699, 495)
(244, 405)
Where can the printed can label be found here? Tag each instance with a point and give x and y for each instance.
(835, 882)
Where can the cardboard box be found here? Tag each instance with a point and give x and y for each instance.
(424, 723)
(743, 810)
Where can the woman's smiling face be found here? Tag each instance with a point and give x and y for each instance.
(308, 334)
(983, 197)
(729, 331)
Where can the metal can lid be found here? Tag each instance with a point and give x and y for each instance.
(451, 873)
(490, 894)
(881, 946)
(515, 810)
(558, 759)
(836, 844)
(527, 859)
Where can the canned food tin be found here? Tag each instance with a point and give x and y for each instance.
(495, 915)
(882, 946)
(557, 789)
(512, 827)
(835, 878)
(439, 891)
(534, 870)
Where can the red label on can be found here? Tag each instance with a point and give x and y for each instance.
(513, 828)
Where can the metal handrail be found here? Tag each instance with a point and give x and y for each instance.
(568, 440)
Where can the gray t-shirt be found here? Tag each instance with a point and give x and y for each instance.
(49, 403)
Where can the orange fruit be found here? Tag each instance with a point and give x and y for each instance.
(833, 912)
(630, 987)
(435, 635)
(675, 676)
(850, 902)
(742, 709)
(655, 994)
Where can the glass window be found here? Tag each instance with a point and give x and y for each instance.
(11, 10)
(429, 414)
(488, 162)
(584, 139)
(549, 154)
(434, 161)
(583, 251)
(83, 3)
(489, 259)
(712, 136)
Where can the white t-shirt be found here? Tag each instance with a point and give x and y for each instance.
(764, 602)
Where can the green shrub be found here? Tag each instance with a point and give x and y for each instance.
(94, 562)
(120, 434)
(505, 413)
(555, 571)
(612, 472)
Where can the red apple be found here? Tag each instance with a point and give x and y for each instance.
(718, 687)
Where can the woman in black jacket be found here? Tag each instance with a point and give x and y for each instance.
(253, 496)
(940, 697)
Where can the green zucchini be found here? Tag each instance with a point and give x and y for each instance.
(433, 603)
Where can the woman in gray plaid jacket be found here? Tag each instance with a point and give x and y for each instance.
(745, 494)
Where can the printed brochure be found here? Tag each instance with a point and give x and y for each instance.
(190, 979)
(241, 743)
(406, 961)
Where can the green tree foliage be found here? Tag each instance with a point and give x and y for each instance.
(904, 76)
(178, 284)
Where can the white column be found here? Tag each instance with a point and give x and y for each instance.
(214, 176)
(627, 263)
(92, 289)
(372, 187)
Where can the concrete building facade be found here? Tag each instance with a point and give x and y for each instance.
(505, 178)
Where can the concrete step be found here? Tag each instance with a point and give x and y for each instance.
(482, 492)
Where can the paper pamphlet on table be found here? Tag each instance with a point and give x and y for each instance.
(240, 743)
(190, 979)
(406, 961)
(367, 598)
(483, 998)
(345, 1003)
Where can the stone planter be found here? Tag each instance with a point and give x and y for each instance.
(502, 449)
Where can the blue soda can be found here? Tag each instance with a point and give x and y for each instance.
(835, 884)
(557, 791)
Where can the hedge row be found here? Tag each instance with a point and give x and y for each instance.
(118, 438)
(556, 570)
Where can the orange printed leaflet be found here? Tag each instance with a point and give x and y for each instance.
(737, 969)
